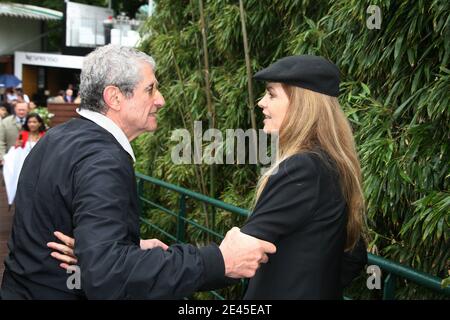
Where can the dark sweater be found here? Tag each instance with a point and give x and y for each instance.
(303, 212)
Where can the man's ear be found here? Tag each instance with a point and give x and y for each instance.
(112, 97)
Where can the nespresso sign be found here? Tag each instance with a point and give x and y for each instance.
(49, 60)
(41, 58)
(45, 60)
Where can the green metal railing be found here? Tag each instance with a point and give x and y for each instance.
(394, 270)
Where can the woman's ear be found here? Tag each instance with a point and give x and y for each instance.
(112, 97)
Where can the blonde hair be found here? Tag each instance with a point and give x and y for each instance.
(317, 120)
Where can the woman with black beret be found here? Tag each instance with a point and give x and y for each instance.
(310, 202)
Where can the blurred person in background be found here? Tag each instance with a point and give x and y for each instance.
(11, 95)
(68, 97)
(32, 131)
(10, 127)
(23, 95)
(4, 110)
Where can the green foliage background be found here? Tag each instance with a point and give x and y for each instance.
(395, 91)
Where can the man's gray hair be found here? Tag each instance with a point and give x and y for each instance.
(110, 65)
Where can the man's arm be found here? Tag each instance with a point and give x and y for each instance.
(112, 266)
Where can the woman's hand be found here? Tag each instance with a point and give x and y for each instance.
(64, 252)
(153, 243)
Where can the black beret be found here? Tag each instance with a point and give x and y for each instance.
(304, 71)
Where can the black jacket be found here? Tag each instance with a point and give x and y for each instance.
(80, 181)
(302, 211)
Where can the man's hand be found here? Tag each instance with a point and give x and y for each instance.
(243, 254)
